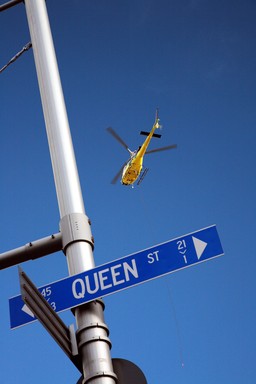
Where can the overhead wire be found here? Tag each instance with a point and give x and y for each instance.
(10, 4)
(14, 58)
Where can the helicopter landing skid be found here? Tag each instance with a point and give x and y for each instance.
(142, 176)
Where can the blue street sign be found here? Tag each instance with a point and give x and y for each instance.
(123, 273)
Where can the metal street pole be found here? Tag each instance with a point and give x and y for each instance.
(92, 332)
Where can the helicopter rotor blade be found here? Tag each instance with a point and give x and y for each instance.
(162, 149)
(117, 176)
(118, 138)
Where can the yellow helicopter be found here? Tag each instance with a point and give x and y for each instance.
(132, 169)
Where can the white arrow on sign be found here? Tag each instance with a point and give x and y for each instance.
(199, 246)
(26, 309)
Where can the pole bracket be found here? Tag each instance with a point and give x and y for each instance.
(75, 227)
(31, 251)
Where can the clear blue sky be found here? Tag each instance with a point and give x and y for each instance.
(118, 61)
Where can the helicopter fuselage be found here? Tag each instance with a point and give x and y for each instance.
(132, 170)
(133, 167)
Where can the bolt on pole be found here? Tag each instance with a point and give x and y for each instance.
(92, 332)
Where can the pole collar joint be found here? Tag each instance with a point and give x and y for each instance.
(98, 375)
(75, 227)
(86, 339)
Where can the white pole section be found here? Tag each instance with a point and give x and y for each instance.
(92, 333)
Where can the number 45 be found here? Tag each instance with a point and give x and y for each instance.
(46, 291)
